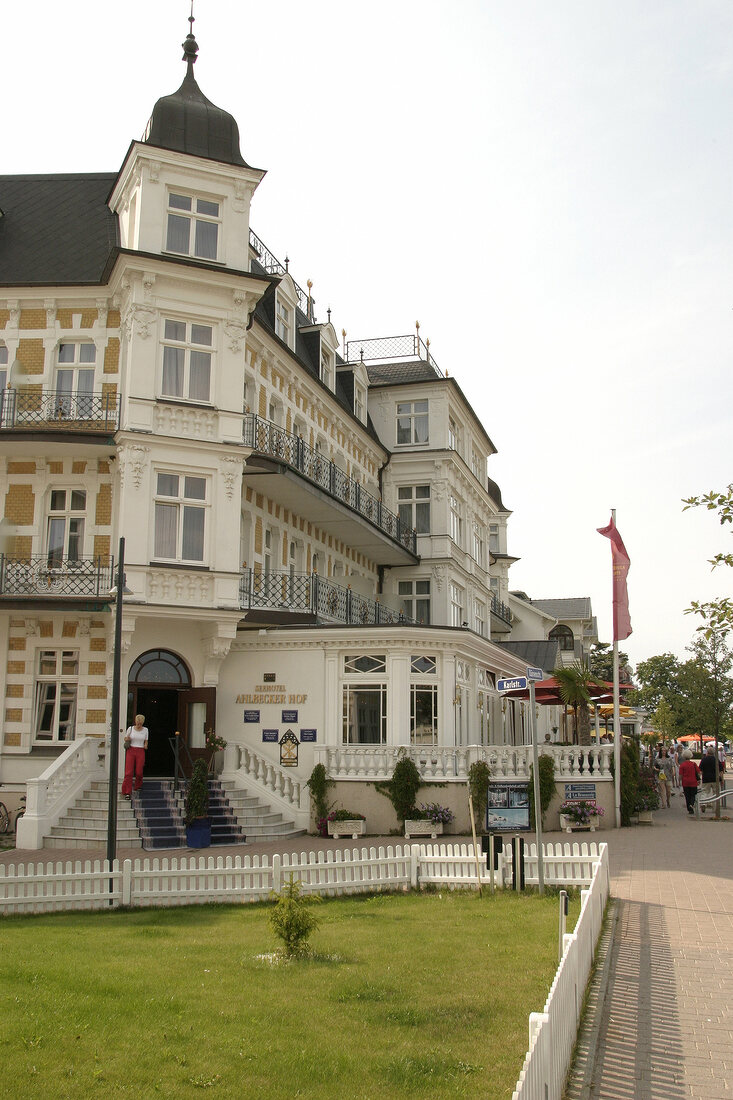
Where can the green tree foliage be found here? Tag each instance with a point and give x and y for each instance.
(716, 615)
(629, 779)
(657, 679)
(574, 684)
(664, 720)
(705, 700)
(292, 919)
(601, 663)
(546, 766)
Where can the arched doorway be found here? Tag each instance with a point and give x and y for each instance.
(159, 686)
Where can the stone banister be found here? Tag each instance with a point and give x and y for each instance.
(278, 786)
(511, 762)
(50, 794)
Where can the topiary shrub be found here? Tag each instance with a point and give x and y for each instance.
(402, 788)
(629, 779)
(546, 765)
(197, 793)
(478, 781)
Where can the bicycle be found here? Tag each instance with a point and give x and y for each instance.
(5, 816)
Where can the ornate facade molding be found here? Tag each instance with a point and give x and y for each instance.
(236, 332)
(180, 588)
(132, 461)
(181, 421)
(231, 470)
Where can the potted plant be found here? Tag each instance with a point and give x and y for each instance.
(429, 819)
(580, 814)
(646, 802)
(345, 823)
(196, 809)
(318, 785)
(214, 744)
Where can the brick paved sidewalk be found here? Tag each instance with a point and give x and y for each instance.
(661, 1027)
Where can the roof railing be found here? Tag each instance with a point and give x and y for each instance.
(273, 266)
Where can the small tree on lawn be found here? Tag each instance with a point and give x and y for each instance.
(292, 919)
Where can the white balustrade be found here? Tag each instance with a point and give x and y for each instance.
(49, 795)
(264, 777)
(510, 762)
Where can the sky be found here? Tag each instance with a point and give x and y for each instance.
(545, 187)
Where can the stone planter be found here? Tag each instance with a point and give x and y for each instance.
(353, 828)
(646, 817)
(423, 828)
(569, 826)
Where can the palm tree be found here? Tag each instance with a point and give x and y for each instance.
(574, 684)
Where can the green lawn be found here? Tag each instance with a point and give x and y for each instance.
(418, 995)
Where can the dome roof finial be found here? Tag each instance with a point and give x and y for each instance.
(190, 46)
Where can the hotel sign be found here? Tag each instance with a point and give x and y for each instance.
(271, 693)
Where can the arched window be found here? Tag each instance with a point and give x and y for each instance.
(563, 635)
(158, 666)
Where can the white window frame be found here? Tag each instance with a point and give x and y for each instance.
(416, 603)
(457, 597)
(64, 680)
(284, 314)
(72, 516)
(411, 507)
(327, 369)
(75, 391)
(195, 217)
(479, 617)
(188, 347)
(454, 436)
(359, 403)
(184, 506)
(494, 538)
(415, 415)
(478, 544)
(456, 521)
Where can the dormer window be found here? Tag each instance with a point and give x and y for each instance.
(359, 403)
(193, 226)
(283, 321)
(327, 368)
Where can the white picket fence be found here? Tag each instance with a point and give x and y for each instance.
(39, 888)
(54, 887)
(552, 1032)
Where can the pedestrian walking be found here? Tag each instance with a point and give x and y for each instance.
(136, 742)
(664, 768)
(708, 770)
(689, 778)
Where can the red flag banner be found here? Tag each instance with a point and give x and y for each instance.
(621, 563)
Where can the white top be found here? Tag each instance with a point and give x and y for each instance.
(138, 737)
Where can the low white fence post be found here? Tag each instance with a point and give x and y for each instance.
(414, 865)
(126, 898)
(277, 874)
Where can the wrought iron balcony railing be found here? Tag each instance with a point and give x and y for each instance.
(272, 266)
(71, 411)
(267, 438)
(50, 576)
(500, 608)
(309, 594)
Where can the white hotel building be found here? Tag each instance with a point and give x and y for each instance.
(316, 558)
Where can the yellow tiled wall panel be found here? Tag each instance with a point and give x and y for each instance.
(98, 645)
(102, 548)
(21, 467)
(12, 739)
(32, 318)
(96, 716)
(112, 355)
(96, 691)
(103, 513)
(19, 504)
(31, 355)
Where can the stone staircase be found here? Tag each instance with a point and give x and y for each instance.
(256, 818)
(153, 819)
(84, 825)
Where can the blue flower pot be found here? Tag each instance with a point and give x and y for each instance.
(198, 833)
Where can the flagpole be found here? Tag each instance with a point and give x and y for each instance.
(616, 720)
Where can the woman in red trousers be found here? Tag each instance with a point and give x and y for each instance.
(136, 742)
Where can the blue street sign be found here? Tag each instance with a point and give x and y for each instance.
(517, 684)
(534, 673)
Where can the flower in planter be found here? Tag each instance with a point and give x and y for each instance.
(581, 811)
(213, 741)
(432, 811)
(344, 815)
(645, 801)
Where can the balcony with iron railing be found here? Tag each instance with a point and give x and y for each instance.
(272, 266)
(308, 596)
(385, 349)
(73, 411)
(500, 609)
(267, 438)
(50, 576)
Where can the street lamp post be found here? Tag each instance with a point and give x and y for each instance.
(114, 742)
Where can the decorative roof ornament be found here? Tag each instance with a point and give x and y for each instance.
(188, 122)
